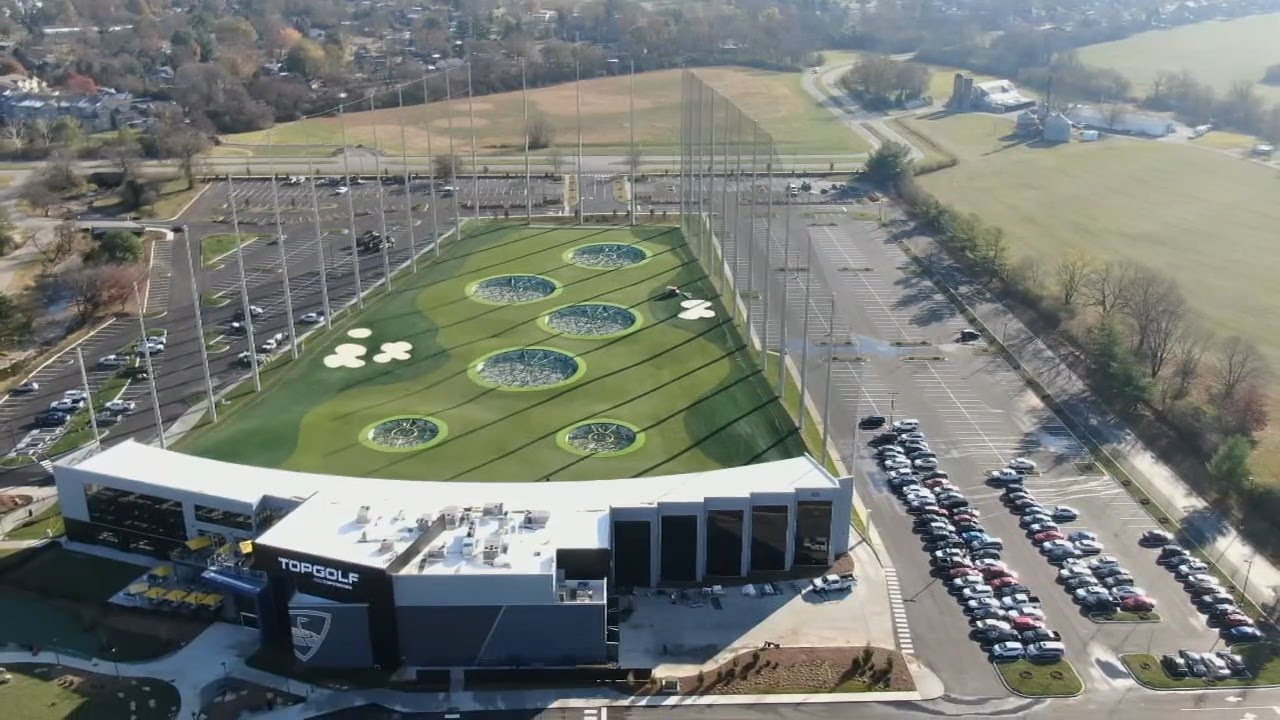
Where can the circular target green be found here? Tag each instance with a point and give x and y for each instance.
(601, 437)
(403, 433)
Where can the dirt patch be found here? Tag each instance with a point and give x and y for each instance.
(13, 502)
(802, 670)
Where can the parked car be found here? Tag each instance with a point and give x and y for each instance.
(111, 361)
(1196, 666)
(1207, 601)
(120, 407)
(885, 438)
(1235, 663)
(1104, 561)
(1022, 464)
(26, 388)
(106, 418)
(1005, 475)
(1124, 592)
(1081, 535)
(834, 582)
(312, 318)
(1024, 623)
(1084, 593)
(1007, 651)
(1081, 581)
(1046, 650)
(1088, 547)
(1041, 635)
(1174, 666)
(871, 422)
(53, 418)
(907, 425)
(66, 405)
(1065, 513)
(989, 613)
(1172, 554)
(1071, 572)
(1244, 634)
(1155, 538)
(1191, 569)
(1118, 580)
(1041, 538)
(1218, 669)
(996, 636)
(925, 463)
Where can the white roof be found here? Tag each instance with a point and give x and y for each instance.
(325, 524)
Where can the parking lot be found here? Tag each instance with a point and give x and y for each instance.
(893, 349)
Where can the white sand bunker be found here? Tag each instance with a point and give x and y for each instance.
(359, 333)
(393, 351)
(696, 310)
(346, 355)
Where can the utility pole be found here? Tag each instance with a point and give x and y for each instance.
(382, 206)
(151, 371)
(195, 304)
(88, 396)
(826, 403)
(528, 175)
(453, 165)
(320, 262)
(804, 331)
(408, 186)
(431, 176)
(471, 115)
(244, 290)
(284, 261)
(351, 213)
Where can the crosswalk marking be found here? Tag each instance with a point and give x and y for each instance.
(902, 630)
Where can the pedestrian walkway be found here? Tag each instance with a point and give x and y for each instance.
(900, 627)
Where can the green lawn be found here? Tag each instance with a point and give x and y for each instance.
(50, 519)
(1217, 53)
(1204, 218)
(1040, 679)
(215, 246)
(46, 692)
(72, 575)
(1259, 658)
(775, 99)
(688, 385)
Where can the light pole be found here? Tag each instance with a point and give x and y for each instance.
(893, 400)
(632, 159)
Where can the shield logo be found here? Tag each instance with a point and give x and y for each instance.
(309, 629)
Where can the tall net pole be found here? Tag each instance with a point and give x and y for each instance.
(577, 101)
(351, 207)
(284, 256)
(768, 252)
(195, 303)
(751, 234)
(453, 163)
(408, 186)
(471, 121)
(717, 251)
(321, 265)
(382, 203)
(244, 290)
(528, 174)
(684, 147)
(782, 309)
(634, 159)
(431, 173)
(804, 330)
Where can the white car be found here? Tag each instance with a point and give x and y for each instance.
(1030, 611)
(977, 591)
(29, 387)
(1127, 591)
(1085, 594)
(1023, 464)
(111, 361)
(907, 425)
(312, 318)
(150, 348)
(833, 582)
(341, 190)
(895, 463)
(994, 624)
(926, 463)
(1104, 561)
(982, 602)
(948, 553)
(1007, 651)
(157, 339)
(77, 395)
(1074, 571)
(120, 406)
(967, 581)
(269, 346)
(1005, 475)
(1088, 547)
(66, 405)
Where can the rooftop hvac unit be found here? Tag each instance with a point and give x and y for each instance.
(537, 518)
(423, 522)
(452, 515)
(435, 552)
(491, 510)
(386, 545)
(468, 547)
(362, 515)
(492, 548)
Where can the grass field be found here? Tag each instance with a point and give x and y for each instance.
(1218, 53)
(776, 100)
(75, 576)
(46, 692)
(50, 519)
(217, 245)
(1260, 659)
(1040, 679)
(1205, 218)
(699, 400)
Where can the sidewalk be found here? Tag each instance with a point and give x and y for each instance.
(1198, 522)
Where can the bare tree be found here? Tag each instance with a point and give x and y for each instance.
(541, 131)
(14, 135)
(176, 139)
(1105, 285)
(556, 158)
(445, 166)
(94, 289)
(1071, 272)
(1189, 347)
(1167, 323)
(36, 193)
(1028, 273)
(56, 246)
(1239, 364)
(1146, 302)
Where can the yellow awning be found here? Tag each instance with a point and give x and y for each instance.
(136, 589)
(175, 595)
(161, 571)
(194, 598)
(246, 547)
(155, 593)
(199, 542)
(212, 600)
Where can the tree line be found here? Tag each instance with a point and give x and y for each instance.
(1144, 352)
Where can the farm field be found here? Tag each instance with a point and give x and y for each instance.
(439, 397)
(1218, 53)
(1203, 217)
(774, 99)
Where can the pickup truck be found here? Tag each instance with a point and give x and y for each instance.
(833, 582)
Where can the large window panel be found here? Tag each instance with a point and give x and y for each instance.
(769, 538)
(813, 533)
(631, 546)
(135, 512)
(679, 548)
(724, 543)
(225, 518)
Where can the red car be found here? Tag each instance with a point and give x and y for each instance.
(962, 572)
(1048, 535)
(964, 517)
(1138, 603)
(1022, 623)
(1236, 620)
(1003, 581)
(992, 573)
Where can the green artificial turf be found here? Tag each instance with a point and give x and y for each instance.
(688, 385)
